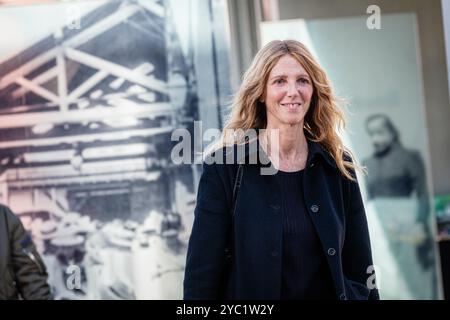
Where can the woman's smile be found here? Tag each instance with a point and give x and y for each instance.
(293, 106)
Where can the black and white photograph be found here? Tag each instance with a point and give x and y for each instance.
(89, 96)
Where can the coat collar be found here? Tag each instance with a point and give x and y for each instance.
(315, 149)
(253, 149)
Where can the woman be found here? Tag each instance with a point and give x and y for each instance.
(300, 233)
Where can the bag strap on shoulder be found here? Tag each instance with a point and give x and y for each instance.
(237, 185)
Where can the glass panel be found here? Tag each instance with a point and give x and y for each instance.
(378, 73)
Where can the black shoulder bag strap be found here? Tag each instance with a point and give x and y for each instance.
(229, 247)
(236, 187)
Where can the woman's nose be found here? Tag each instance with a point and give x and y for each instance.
(292, 89)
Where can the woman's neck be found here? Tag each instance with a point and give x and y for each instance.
(288, 149)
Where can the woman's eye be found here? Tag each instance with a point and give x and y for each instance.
(304, 80)
(279, 81)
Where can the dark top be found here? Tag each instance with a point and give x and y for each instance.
(305, 273)
(398, 172)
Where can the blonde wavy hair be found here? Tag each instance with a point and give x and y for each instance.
(322, 122)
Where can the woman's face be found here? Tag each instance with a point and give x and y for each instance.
(288, 93)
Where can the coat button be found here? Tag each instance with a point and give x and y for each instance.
(274, 253)
(311, 165)
(342, 297)
(275, 207)
(227, 253)
(315, 208)
(331, 251)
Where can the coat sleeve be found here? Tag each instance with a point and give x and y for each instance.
(356, 253)
(209, 236)
(29, 270)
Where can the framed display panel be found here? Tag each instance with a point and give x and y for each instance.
(378, 73)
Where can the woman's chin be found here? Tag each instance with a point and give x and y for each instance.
(293, 120)
(285, 119)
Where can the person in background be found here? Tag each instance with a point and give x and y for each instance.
(396, 176)
(397, 172)
(22, 272)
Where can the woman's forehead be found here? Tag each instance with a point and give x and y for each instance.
(287, 65)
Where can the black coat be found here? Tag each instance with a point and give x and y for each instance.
(334, 204)
(22, 272)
